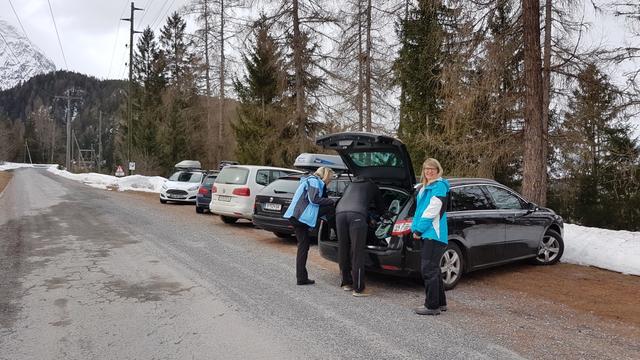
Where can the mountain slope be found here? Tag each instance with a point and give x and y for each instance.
(21, 60)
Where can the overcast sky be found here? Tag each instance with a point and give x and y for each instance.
(93, 38)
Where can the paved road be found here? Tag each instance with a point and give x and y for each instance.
(95, 274)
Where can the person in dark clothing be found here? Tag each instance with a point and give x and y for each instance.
(352, 226)
(308, 204)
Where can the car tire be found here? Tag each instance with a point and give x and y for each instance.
(452, 265)
(199, 210)
(228, 219)
(550, 249)
(282, 235)
(163, 201)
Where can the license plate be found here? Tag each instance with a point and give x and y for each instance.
(171, 196)
(224, 198)
(271, 206)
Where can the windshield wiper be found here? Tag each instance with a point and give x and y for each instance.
(282, 192)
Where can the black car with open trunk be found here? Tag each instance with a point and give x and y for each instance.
(489, 223)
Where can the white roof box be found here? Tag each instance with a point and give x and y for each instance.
(188, 164)
(314, 161)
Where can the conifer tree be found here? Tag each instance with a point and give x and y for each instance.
(418, 69)
(599, 157)
(149, 84)
(263, 130)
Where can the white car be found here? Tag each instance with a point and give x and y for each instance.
(182, 186)
(234, 192)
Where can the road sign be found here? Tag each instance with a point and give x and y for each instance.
(119, 171)
(132, 166)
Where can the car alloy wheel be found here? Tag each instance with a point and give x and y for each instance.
(451, 266)
(549, 249)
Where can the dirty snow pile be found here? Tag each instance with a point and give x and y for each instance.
(607, 249)
(100, 181)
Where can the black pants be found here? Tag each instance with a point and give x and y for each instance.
(432, 251)
(302, 235)
(352, 240)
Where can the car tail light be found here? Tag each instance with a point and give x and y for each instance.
(203, 190)
(214, 189)
(241, 192)
(401, 227)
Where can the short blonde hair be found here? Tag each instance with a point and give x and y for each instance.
(430, 162)
(324, 172)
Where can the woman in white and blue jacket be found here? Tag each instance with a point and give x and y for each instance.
(430, 226)
(308, 204)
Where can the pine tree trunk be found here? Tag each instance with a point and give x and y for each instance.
(360, 96)
(299, 75)
(221, 99)
(546, 91)
(207, 75)
(534, 182)
(368, 68)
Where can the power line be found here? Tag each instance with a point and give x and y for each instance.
(17, 17)
(115, 43)
(154, 25)
(58, 35)
(10, 49)
(146, 7)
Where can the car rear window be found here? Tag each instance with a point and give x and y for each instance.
(185, 176)
(233, 175)
(283, 186)
(209, 180)
(376, 159)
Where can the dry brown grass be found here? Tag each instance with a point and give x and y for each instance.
(5, 176)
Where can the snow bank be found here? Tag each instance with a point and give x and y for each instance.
(100, 181)
(607, 249)
(132, 182)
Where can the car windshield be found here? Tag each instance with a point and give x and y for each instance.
(185, 176)
(233, 175)
(283, 186)
(376, 159)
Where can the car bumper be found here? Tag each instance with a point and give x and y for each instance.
(231, 210)
(380, 261)
(203, 202)
(189, 198)
(273, 224)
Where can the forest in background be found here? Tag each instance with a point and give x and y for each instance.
(500, 89)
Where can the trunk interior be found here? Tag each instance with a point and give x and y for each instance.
(378, 235)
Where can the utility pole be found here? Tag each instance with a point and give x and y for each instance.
(68, 97)
(130, 104)
(100, 143)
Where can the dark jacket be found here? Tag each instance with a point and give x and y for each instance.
(359, 195)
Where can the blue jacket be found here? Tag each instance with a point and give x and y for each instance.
(430, 219)
(307, 200)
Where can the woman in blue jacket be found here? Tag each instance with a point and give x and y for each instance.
(308, 204)
(430, 226)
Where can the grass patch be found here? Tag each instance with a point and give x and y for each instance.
(5, 176)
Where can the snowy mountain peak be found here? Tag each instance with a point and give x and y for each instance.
(21, 60)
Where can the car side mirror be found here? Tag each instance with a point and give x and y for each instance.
(532, 207)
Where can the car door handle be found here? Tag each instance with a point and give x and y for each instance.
(469, 222)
